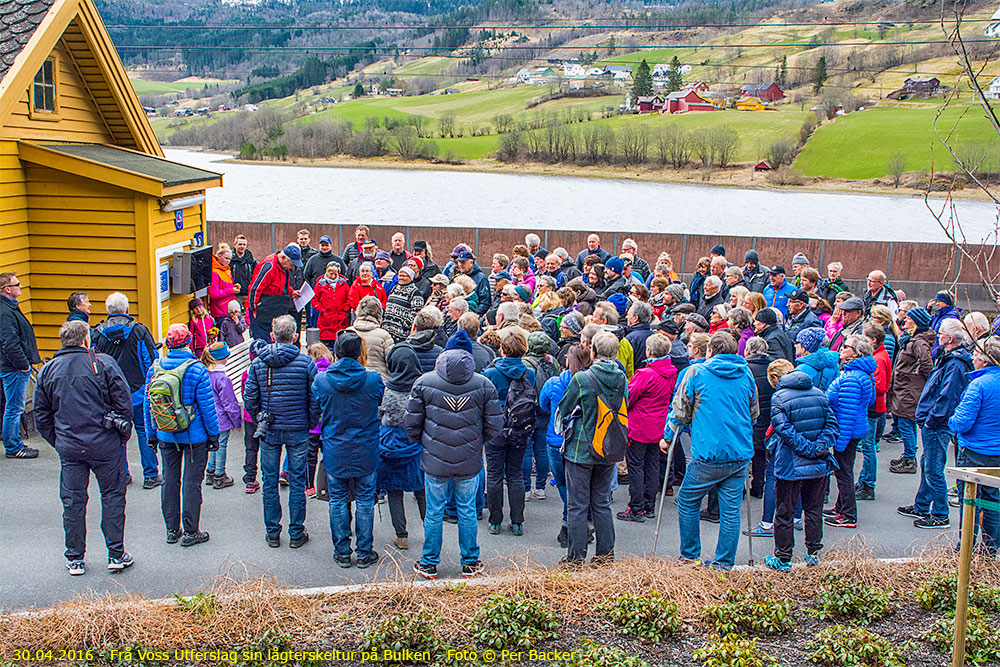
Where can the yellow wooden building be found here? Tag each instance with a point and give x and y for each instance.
(86, 197)
(749, 103)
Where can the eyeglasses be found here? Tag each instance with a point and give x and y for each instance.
(14, 285)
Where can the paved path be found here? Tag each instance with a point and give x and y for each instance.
(31, 537)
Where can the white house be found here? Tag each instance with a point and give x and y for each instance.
(574, 70)
(993, 92)
(523, 74)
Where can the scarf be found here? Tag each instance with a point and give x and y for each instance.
(225, 272)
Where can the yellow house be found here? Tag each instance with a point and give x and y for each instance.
(86, 198)
(749, 103)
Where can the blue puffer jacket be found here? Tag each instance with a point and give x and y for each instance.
(976, 421)
(850, 394)
(552, 393)
(821, 366)
(399, 460)
(196, 391)
(289, 400)
(349, 396)
(944, 388)
(505, 369)
(778, 298)
(937, 317)
(804, 429)
(806, 320)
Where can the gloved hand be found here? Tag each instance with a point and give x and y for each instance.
(213, 443)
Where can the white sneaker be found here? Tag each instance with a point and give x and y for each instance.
(538, 494)
(527, 496)
(75, 567)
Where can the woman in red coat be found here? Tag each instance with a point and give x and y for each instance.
(331, 301)
(366, 285)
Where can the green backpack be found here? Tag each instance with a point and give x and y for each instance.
(166, 404)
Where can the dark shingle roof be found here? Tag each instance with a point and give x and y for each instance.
(171, 173)
(18, 20)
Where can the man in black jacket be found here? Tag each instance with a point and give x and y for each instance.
(18, 353)
(754, 277)
(779, 346)
(315, 266)
(242, 264)
(453, 412)
(83, 409)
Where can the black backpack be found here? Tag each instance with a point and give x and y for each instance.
(520, 411)
(545, 367)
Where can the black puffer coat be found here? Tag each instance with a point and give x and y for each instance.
(289, 400)
(453, 412)
(758, 368)
(410, 359)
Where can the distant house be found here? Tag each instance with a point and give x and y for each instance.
(921, 85)
(542, 75)
(621, 79)
(685, 69)
(749, 103)
(617, 69)
(523, 74)
(649, 104)
(660, 69)
(683, 101)
(718, 99)
(699, 86)
(451, 91)
(765, 92)
(993, 92)
(574, 70)
(394, 92)
(762, 166)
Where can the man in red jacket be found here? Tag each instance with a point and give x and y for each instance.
(865, 489)
(270, 295)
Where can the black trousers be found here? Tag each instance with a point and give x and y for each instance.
(588, 492)
(397, 512)
(846, 502)
(252, 446)
(74, 479)
(787, 494)
(180, 496)
(504, 462)
(643, 461)
(758, 464)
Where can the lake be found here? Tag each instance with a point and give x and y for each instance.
(310, 195)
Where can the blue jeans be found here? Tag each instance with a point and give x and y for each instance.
(558, 476)
(449, 505)
(15, 392)
(908, 432)
(217, 459)
(990, 518)
(150, 464)
(869, 448)
(436, 489)
(932, 495)
(538, 448)
(701, 477)
(296, 445)
(340, 514)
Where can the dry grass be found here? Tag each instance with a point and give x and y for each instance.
(246, 608)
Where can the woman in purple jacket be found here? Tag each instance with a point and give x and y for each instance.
(226, 407)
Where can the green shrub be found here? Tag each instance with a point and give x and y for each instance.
(750, 611)
(856, 647)
(405, 632)
(841, 598)
(507, 622)
(733, 650)
(650, 616)
(596, 655)
(940, 593)
(982, 641)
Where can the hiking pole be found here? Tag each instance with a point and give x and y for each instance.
(746, 493)
(663, 491)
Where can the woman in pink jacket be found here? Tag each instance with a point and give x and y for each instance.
(649, 393)
(222, 290)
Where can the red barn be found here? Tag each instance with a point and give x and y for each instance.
(683, 101)
(765, 92)
(762, 166)
(652, 103)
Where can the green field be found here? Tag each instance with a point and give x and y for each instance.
(860, 145)
(144, 87)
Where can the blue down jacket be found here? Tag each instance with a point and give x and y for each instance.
(196, 391)
(289, 400)
(349, 397)
(552, 393)
(850, 394)
(976, 421)
(821, 366)
(804, 429)
(944, 387)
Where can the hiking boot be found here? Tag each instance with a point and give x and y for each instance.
(812, 560)
(865, 493)
(647, 514)
(425, 571)
(538, 494)
(209, 478)
(450, 518)
(342, 561)
(119, 564)
(494, 529)
(75, 567)
(222, 482)
(311, 492)
(23, 453)
(563, 538)
(283, 479)
(894, 436)
(903, 466)
(296, 542)
(760, 530)
(370, 559)
(570, 564)
(273, 541)
(471, 569)
(707, 516)
(252, 487)
(629, 515)
(911, 511)
(152, 482)
(840, 521)
(517, 529)
(598, 561)
(930, 522)
(830, 512)
(173, 536)
(402, 543)
(777, 564)
(191, 539)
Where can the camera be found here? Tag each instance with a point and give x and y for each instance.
(119, 423)
(263, 421)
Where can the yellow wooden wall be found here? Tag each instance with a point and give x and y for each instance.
(165, 234)
(14, 252)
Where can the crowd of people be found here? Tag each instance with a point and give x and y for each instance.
(477, 388)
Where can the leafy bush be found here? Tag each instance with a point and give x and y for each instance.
(203, 603)
(505, 622)
(851, 646)
(982, 641)
(595, 655)
(840, 598)
(940, 594)
(413, 632)
(749, 611)
(785, 176)
(733, 650)
(650, 616)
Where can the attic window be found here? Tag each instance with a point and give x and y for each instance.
(44, 88)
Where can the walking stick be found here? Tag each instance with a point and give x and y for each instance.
(663, 491)
(746, 492)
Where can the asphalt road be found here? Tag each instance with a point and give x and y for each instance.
(31, 536)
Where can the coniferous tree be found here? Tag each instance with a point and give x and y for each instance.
(819, 75)
(642, 80)
(675, 80)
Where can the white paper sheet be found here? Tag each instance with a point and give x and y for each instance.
(305, 297)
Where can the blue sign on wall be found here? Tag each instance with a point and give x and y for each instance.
(178, 220)
(199, 239)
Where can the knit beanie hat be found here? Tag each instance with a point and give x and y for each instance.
(538, 344)
(811, 339)
(767, 316)
(675, 290)
(919, 316)
(523, 293)
(620, 302)
(751, 256)
(459, 341)
(419, 262)
(219, 353)
(944, 297)
(615, 264)
(348, 345)
(718, 250)
(408, 271)
(178, 336)
(574, 322)
(800, 258)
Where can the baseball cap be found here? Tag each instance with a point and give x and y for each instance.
(294, 253)
(325, 239)
(465, 255)
(800, 295)
(778, 268)
(502, 275)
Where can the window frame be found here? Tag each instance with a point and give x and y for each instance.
(44, 114)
